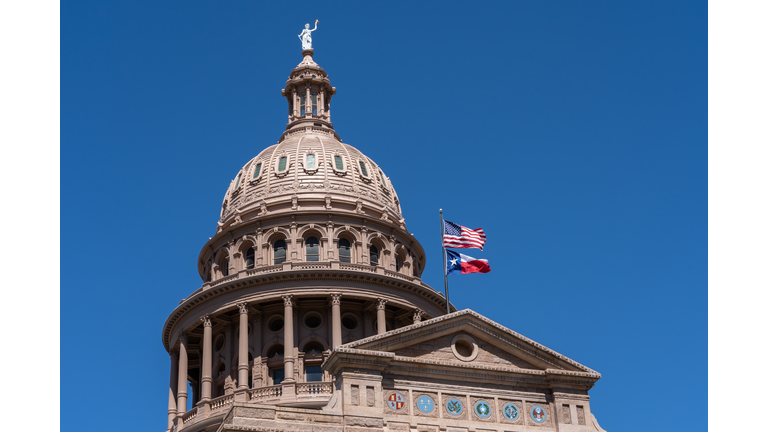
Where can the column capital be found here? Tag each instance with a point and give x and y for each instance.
(243, 306)
(288, 300)
(335, 299)
(206, 320)
(183, 338)
(380, 304)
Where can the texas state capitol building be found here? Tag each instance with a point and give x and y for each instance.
(312, 315)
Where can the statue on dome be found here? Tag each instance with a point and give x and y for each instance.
(306, 36)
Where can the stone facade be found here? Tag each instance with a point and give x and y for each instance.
(312, 315)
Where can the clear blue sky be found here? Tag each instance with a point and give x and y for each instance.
(574, 133)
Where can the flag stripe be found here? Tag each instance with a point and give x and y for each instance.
(457, 236)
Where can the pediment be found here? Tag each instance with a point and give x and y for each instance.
(468, 338)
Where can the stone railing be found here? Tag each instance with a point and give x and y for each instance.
(265, 269)
(266, 393)
(224, 279)
(391, 273)
(189, 416)
(222, 402)
(310, 265)
(357, 267)
(314, 389)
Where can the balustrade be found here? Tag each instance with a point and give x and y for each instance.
(314, 389)
(222, 402)
(264, 393)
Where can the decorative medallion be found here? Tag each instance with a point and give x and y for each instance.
(538, 414)
(454, 406)
(482, 409)
(511, 412)
(396, 401)
(425, 404)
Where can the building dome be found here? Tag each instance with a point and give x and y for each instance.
(312, 170)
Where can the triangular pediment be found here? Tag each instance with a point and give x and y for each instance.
(466, 338)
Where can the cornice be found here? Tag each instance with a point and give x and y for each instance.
(235, 284)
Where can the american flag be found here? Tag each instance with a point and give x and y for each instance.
(457, 236)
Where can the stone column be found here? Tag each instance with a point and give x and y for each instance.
(336, 322)
(242, 356)
(417, 313)
(308, 102)
(381, 317)
(257, 347)
(181, 405)
(205, 381)
(321, 102)
(173, 388)
(288, 302)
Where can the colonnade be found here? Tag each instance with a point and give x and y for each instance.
(177, 401)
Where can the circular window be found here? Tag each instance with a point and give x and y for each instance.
(313, 320)
(464, 347)
(218, 344)
(349, 322)
(276, 324)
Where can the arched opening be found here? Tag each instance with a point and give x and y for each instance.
(345, 251)
(250, 258)
(279, 249)
(275, 362)
(374, 255)
(312, 249)
(313, 358)
(313, 348)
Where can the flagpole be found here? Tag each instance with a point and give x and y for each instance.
(445, 264)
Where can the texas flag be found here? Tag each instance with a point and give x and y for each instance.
(462, 264)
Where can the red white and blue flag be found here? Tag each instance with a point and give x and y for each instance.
(459, 263)
(457, 236)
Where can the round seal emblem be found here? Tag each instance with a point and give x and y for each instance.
(482, 409)
(511, 412)
(396, 401)
(538, 414)
(425, 404)
(454, 406)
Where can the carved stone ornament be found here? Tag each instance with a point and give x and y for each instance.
(295, 202)
(243, 307)
(263, 208)
(336, 299)
(417, 313)
(381, 304)
(328, 202)
(229, 385)
(359, 207)
(206, 320)
(238, 217)
(288, 300)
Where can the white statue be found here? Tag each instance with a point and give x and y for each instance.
(306, 36)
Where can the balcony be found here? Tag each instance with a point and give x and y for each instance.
(304, 395)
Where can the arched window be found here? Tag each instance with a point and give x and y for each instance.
(312, 249)
(339, 163)
(257, 171)
(310, 161)
(282, 164)
(237, 183)
(250, 258)
(276, 350)
(345, 251)
(313, 348)
(374, 251)
(398, 262)
(363, 169)
(224, 267)
(279, 248)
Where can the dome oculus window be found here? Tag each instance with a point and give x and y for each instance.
(256, 171)
(349, 322)
(276, 324)
(310, 163)
(281, 169)
(312, 249)
(345, 251)
(279, 251)
(313, 321)
(364, 171)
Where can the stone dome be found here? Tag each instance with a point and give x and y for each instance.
(312, 170)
